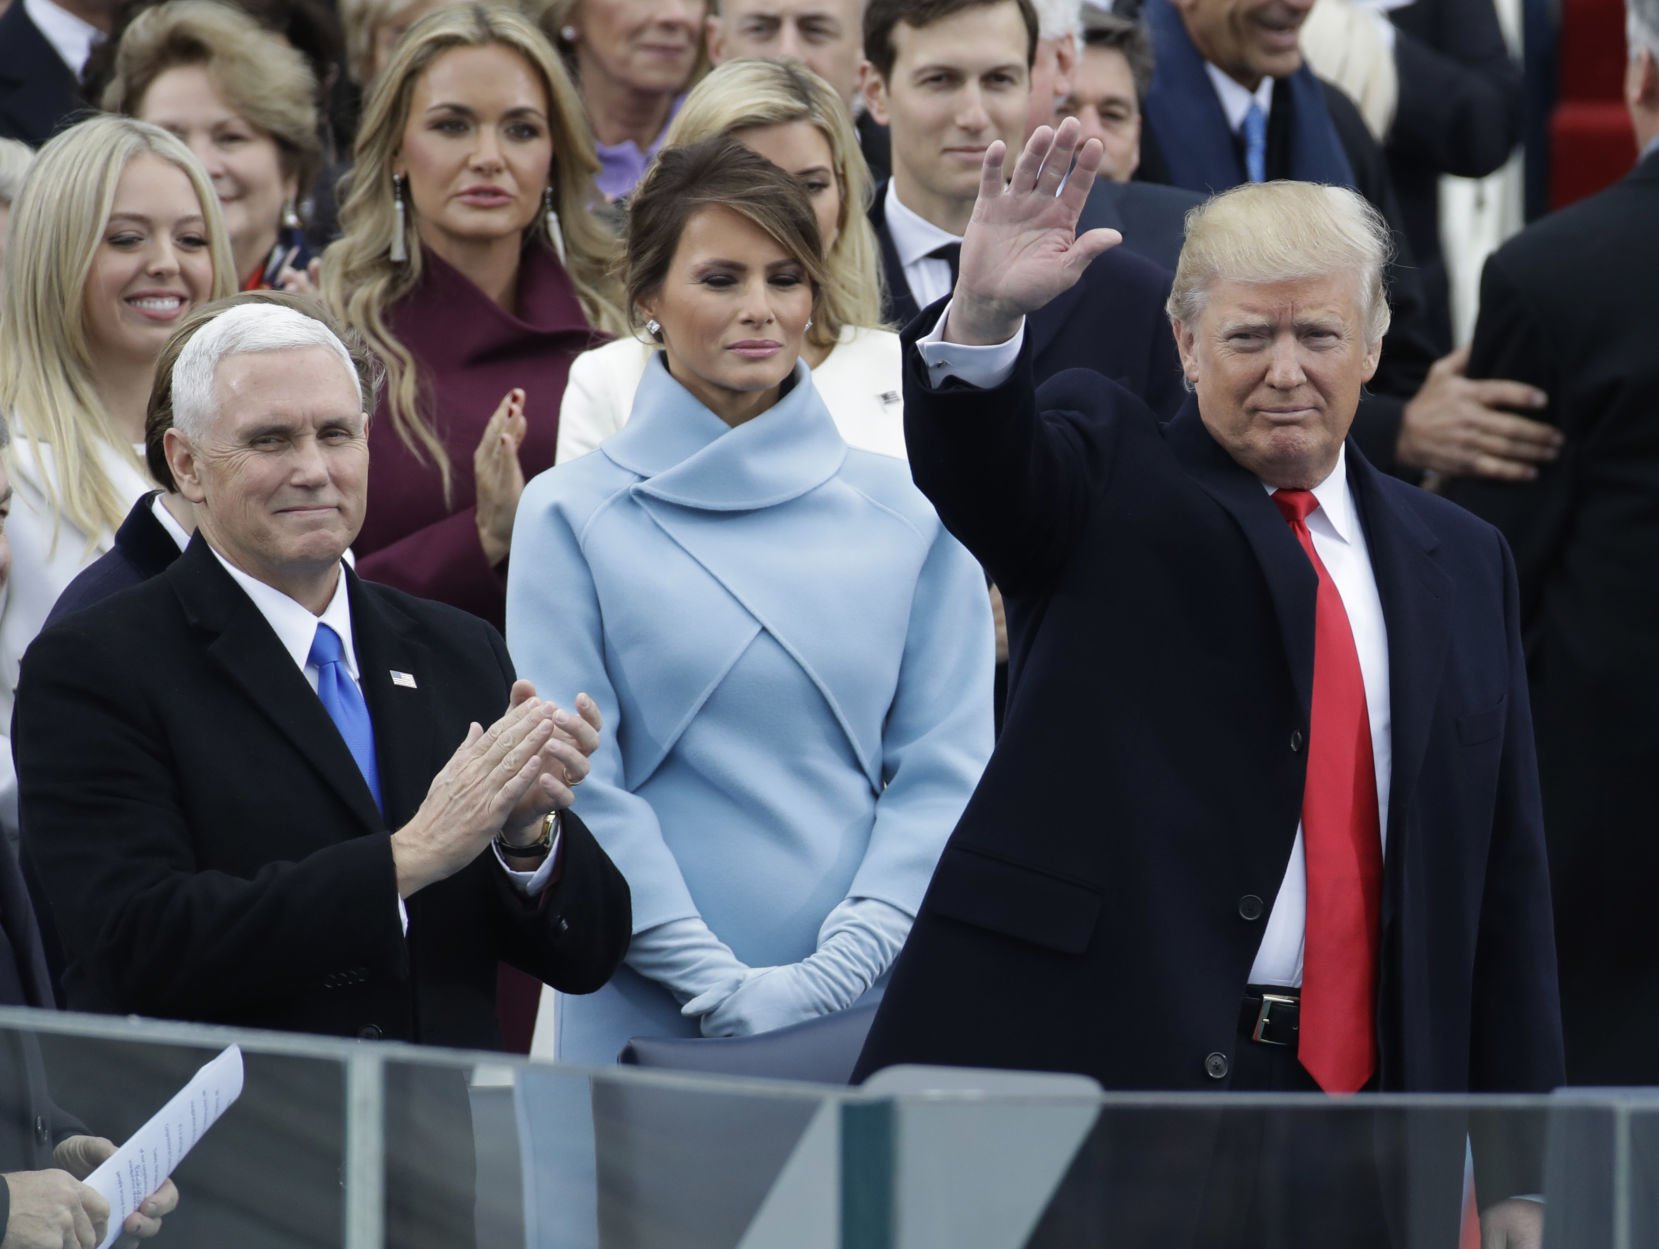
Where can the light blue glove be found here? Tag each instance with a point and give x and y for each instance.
(687, 959)
(856, 944)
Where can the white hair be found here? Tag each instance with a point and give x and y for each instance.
(243, 330)
(1641, 26)
(1058, 18)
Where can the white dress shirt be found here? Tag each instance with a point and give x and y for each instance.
(295, 626)
(1236, 98)
(913, 238)
(71, 37)
(1339, 540)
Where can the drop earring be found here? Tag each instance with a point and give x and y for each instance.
(399, 253)
(555, 235)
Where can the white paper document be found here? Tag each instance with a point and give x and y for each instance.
(153, 1152)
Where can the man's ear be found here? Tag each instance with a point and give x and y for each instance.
(181, 459)
(714, 32)
(874, 91)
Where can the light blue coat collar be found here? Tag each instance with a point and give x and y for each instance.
(689, 456)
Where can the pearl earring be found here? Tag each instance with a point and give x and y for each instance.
(567, 32)
(399, 252)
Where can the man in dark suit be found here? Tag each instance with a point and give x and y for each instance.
(290, 823)
(1263, 815)
(1231, 101)
(948, 77)
(43, 44)
(1561, 309)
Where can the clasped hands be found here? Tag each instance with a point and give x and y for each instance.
(53, 1209)
(1022, 248)
(501, 781)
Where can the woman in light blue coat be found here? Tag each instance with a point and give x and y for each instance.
(793, 656)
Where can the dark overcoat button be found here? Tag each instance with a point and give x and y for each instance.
(1215, 1066)
(1296, 740)
(370, 1032)
(43, 1134)
(1250, 907)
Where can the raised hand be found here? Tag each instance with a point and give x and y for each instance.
(498, 476)
(1022, 247)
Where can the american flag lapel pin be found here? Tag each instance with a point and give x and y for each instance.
(405, 679)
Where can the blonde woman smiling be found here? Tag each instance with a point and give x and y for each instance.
(115, 237)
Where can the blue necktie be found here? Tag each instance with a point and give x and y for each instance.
(345, 706)
(1254, 130)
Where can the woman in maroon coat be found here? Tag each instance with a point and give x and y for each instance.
(472, 265)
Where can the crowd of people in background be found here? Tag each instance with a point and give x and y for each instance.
(625, 287)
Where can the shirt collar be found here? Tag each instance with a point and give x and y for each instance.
(293, 622)
(170, 523)
(71, 37)
(913, 236)
(1236, 99)
(1336, 501)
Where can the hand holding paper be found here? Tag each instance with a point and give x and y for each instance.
(133, 1179)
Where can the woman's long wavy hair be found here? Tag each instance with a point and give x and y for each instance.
(360, 283)
(743, 94)
(48, 388)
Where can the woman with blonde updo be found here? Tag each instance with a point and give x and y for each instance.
(115, 237)
(472, 265)
(788, 114)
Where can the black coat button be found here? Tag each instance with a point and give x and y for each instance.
(1250, 907)
(1215, 1066)
(43, 1133)
(562, 927)
(370, 1032)
(1296, 741)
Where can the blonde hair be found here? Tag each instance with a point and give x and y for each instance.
(359, 19)
(360, 282)
(47, 372)
(1281, 232)
(744, 94)
(257, 74)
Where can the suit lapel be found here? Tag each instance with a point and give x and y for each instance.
(402, 713)
(901, 307)
(240, 642)
(1291, 581)
(1417, 598)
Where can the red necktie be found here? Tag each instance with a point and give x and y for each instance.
(1342, 844)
